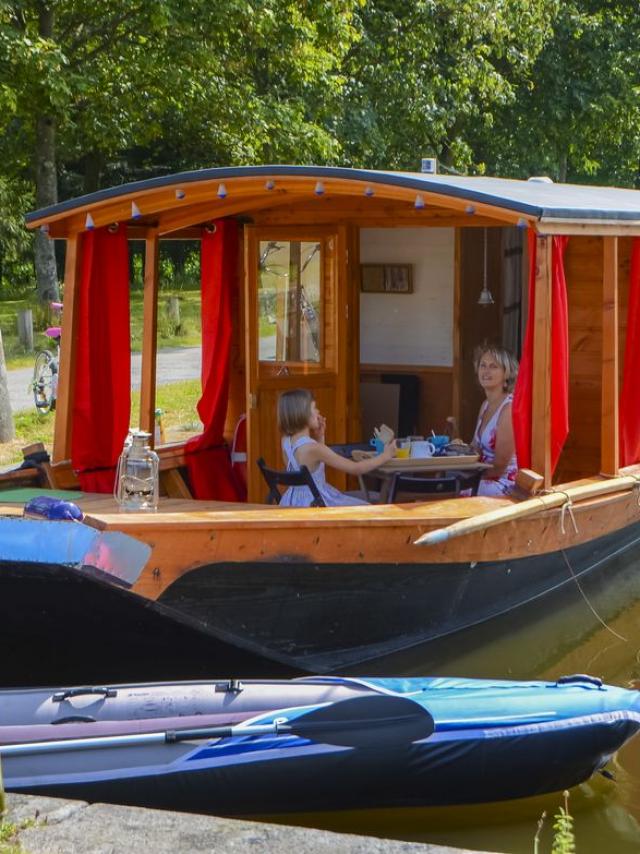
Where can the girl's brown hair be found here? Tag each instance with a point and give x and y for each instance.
(294, 410)
(504, 358)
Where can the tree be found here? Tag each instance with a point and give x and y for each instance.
(424, 75)
(576, 116)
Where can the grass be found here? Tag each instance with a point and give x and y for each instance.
(170, 334)
(8, 831)
(179, 419)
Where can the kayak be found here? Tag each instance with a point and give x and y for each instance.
(311, 744)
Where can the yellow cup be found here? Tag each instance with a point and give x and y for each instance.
(403, 451)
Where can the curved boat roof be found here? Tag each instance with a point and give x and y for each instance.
(536, 200)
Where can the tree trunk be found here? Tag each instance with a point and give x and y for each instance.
(6, 416)
(46, 182)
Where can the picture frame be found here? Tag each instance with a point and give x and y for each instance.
(386, 278)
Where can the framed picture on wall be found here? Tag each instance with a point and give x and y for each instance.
(386, 278)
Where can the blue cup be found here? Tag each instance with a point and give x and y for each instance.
(438, 442)
(378, 444)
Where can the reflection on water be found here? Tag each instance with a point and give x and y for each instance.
(538, 642)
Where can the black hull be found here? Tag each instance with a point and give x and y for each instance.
(278, 620)
(58, 627)
(331, 618)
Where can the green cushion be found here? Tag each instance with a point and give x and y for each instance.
(21, 496)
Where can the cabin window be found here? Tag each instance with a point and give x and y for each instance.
(290, 284)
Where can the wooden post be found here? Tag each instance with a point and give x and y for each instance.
(541, 402)
(149, 335)
(66, 376)
(609, 452)
(25, 329)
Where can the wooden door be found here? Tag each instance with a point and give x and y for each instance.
(295, 334)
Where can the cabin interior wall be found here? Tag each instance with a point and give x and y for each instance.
(477, 323)
(411, 334)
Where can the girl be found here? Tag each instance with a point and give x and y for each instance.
(303, 429)
(497, 370)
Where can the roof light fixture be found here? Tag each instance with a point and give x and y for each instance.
(369, 191)
(222, 191)
(135, 211)
(180, 194)
(89, 223)
(319, 188)
(269, 185)
(419, 202)
(486, 297)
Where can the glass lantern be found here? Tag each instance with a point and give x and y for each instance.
(137, 475)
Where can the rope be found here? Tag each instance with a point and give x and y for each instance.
(586, 599)
(567, 508)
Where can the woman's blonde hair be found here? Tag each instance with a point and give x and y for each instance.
(294, 410)
(504, 358)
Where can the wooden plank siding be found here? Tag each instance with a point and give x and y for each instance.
(583, 262)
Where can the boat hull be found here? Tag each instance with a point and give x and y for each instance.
(326, 618)
(279, 618)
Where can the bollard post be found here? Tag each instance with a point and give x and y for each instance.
(173, 311)
(25, 329)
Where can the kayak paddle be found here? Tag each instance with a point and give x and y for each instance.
(379, 720)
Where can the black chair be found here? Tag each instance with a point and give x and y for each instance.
(434, 487)
(469, 480)
(274, 479)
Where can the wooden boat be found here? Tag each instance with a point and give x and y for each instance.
(323, 589)
(312, 744)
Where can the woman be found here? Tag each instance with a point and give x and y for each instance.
(497, 370)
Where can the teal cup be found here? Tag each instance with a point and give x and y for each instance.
(438, 441)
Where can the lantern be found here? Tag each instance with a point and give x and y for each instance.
(136, 486)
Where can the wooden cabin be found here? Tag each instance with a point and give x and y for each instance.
(396, 351)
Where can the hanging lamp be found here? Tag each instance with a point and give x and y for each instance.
(486, 297)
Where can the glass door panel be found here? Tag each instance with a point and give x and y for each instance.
(290, 302)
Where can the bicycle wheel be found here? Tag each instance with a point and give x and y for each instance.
(44, 381)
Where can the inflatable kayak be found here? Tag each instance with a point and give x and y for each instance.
(317, 743)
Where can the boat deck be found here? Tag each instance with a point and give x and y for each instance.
(104, 513)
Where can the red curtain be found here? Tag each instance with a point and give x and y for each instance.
(102, 398)
(207, 455)
(629, 397)
(522, 399)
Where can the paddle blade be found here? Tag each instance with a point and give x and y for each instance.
(379, 720)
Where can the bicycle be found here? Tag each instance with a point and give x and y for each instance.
(45, 371)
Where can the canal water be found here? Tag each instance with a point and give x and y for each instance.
(593, 628)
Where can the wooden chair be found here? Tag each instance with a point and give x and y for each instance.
(274, 479)
(433, 487)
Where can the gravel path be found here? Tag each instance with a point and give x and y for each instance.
(174, 365)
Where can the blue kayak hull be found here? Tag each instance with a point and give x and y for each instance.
(493, 740)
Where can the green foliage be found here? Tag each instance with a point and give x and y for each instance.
(425, 75)
(563, 836)
(576, 116)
